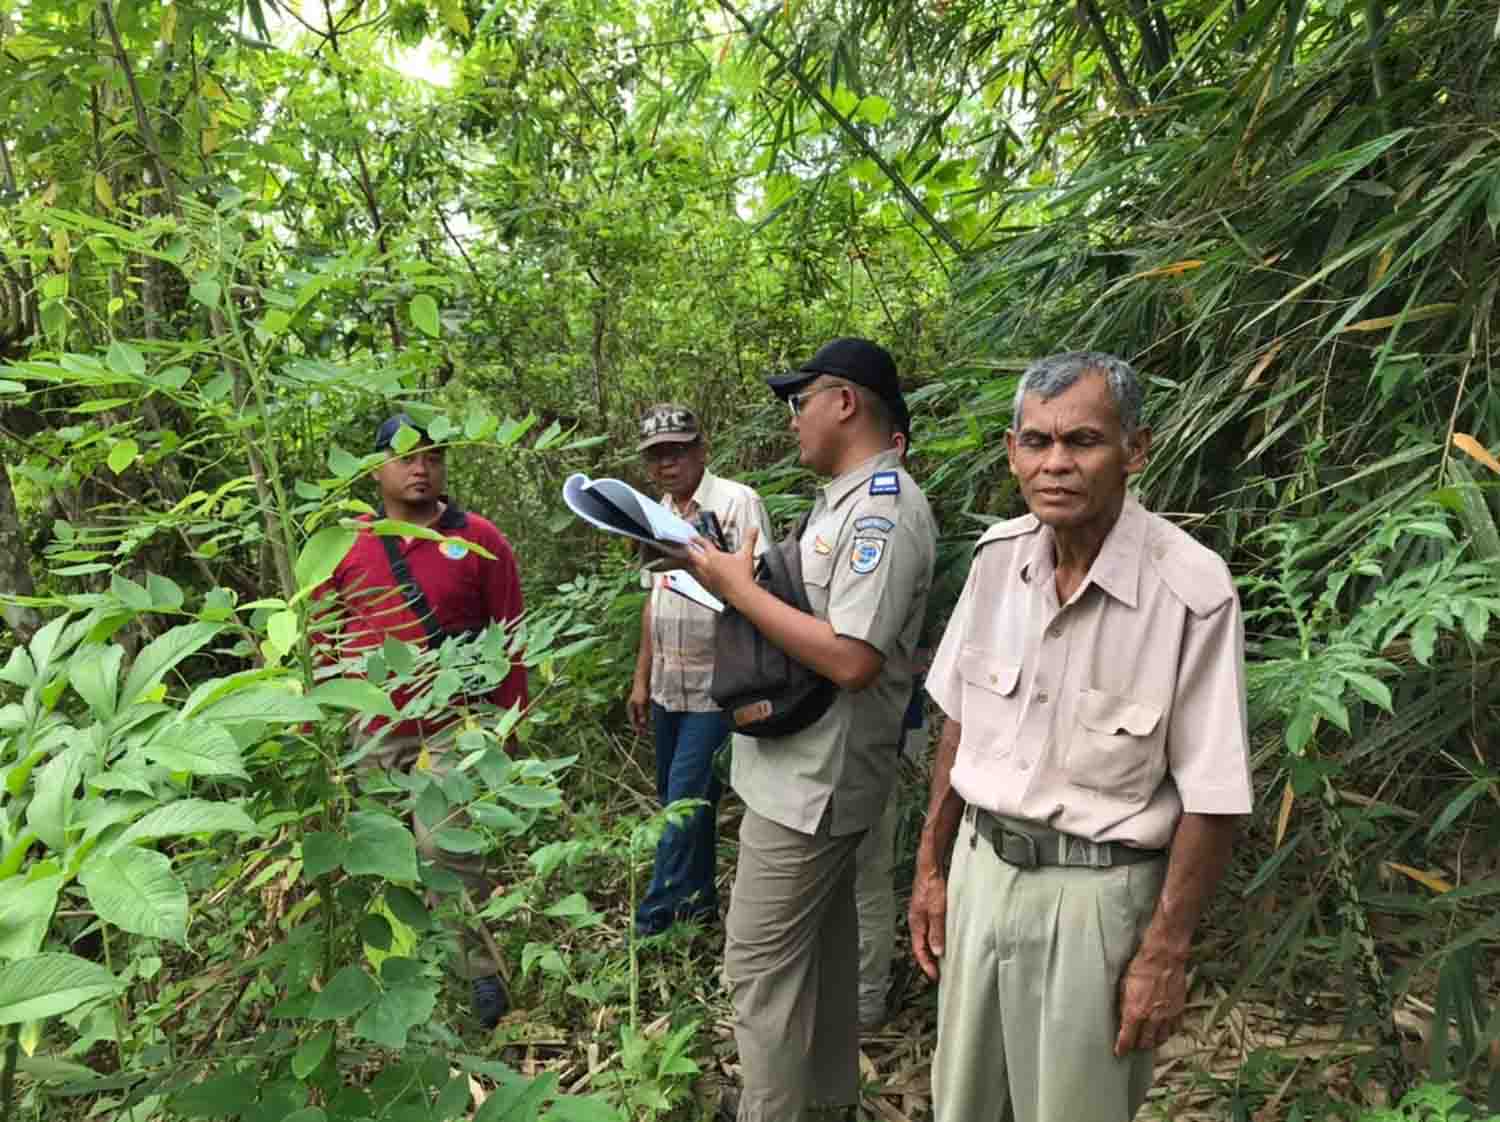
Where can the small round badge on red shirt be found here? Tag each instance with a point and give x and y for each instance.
(455, 551)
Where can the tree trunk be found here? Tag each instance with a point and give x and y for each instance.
(15, 570)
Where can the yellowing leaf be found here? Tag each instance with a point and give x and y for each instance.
(103, 191)
(1380, 323)
(1177, 268)
(1382, 263)
(209, 140)
(1466, 443)
(1429, 880)
(61, 251)
(1287, 798)
(454, 16)
(168, 23)
(1261, 363)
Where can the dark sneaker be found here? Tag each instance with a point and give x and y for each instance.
(491, 1001)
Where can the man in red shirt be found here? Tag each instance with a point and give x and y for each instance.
(461, 593)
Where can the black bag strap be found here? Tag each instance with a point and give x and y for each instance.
(416, 599)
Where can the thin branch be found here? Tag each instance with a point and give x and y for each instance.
(810, 90)
(142, 120)
(1090, 13)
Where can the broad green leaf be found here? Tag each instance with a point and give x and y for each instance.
(165, 593)
(125, 359)
(188, 816)
(94, 673)
(1456, 806)
(380, 845)
(163, 653)
(424, 309)
(584, 1108)
(25, 913)
(518, 1100)
(342, 464)
(282, 630)
(347, 992)
(122, 455)
(575, 904)
(321, 555)
(201, 747)
(45, 985)
(535, 798)
(48, 811)
(322, 852)
(310, 1053)
(206, 291)
(354, 694)
(132, 595)
(136, 890)
(391, 1016)
(259, 703)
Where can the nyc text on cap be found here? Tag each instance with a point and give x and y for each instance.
(668, 424)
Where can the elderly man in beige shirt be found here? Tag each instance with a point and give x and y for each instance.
(1093, 766)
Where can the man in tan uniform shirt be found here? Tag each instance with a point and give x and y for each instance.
(1093, 765)
(867, 556)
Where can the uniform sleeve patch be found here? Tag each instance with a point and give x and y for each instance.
(866, 554)
(874, 522)
(885, 483)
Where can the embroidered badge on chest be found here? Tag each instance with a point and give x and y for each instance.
(885, 483)
(454, 551)
(821, 546)
(866, 554)
(874, 522)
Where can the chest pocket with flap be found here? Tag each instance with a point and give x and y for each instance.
(991, 705)
(1116, 746)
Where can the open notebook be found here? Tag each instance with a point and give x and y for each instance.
(618, 508)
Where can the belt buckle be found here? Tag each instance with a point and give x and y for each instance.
(1016, 849)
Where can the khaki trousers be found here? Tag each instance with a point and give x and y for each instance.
(875, 901)
(470, 957)
(789, 958)
(1027, 1005)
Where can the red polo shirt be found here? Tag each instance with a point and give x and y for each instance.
(467, 593)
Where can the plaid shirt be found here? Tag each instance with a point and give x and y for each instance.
(682, 632)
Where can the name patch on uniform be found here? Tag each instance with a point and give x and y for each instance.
(454, 551)
(820, 546)
(866, 554)
(874, 522)
(885, 483)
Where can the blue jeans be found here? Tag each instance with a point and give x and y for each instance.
(682, 883)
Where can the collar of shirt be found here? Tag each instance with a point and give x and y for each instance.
(704, 496)
(1117, 569)
(841, 487)
(452, 518)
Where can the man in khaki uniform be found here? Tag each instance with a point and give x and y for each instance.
(867, 555)
(1093, 765)
(675, 669)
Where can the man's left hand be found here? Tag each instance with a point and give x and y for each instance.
(1153, 994)
(724, 574)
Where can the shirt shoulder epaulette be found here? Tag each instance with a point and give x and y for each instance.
(1010, 528)
(1192, 572)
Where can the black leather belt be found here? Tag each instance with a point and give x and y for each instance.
(1038, 846)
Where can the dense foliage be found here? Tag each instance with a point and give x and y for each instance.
(234, 237)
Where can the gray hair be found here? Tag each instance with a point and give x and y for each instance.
(1050, 376)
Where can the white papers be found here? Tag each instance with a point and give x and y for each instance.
(618, 508)
(685, 584)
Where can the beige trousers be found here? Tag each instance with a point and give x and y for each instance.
(875, 901)
(789, 959)
(1027, 1004)
(471, 957)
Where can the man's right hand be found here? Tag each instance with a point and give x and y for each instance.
(928, 917)
(639, 706)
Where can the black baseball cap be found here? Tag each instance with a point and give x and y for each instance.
(392, 425)
(854, 360)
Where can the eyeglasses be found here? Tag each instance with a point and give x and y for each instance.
(795, 401)
(659, 453)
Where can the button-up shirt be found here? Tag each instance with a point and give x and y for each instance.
(682, 632)
(867, 557)
(1109, 716)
